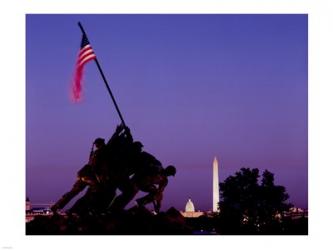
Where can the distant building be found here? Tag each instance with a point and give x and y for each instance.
(27, 204)
(216, 197)
(296, 210)
(190, 210)
(32, 210)
(296, 213)
(189, 207)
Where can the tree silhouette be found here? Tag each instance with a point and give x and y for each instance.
(249, 207)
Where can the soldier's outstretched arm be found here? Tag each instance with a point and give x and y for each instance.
(128, 133)
(119, 128)
(116, 134)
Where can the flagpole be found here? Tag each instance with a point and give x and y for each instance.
(104, 79)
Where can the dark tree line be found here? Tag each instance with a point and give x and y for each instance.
(249, 206)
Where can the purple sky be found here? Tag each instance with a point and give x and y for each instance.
(190, 87)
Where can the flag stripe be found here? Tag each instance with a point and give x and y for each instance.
(85, 55)
(84, 49)
(86, 59)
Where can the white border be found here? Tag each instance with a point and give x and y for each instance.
(12, 106)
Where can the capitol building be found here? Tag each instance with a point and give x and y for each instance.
(189, 207)
(190, 210)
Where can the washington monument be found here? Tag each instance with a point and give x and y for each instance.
(215, 185)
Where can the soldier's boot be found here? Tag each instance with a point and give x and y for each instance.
(157, 206)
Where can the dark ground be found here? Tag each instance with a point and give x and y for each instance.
(139, 221)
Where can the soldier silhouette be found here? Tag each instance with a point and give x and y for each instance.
(109, 168)
(111, 163)
(96, 156)
(153, 181)
(122, 161)
(148, 173)
(86, 176)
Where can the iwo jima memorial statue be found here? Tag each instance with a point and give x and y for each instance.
(119, 164)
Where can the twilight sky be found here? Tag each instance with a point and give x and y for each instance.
(190, 87)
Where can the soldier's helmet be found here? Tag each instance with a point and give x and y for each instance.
(170, 170)
(99, 141)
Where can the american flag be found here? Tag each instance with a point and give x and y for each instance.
(86, 54)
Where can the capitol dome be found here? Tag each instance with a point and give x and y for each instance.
(189, 206)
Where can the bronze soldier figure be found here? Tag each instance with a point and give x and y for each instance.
(86, 176)
(154, 183)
